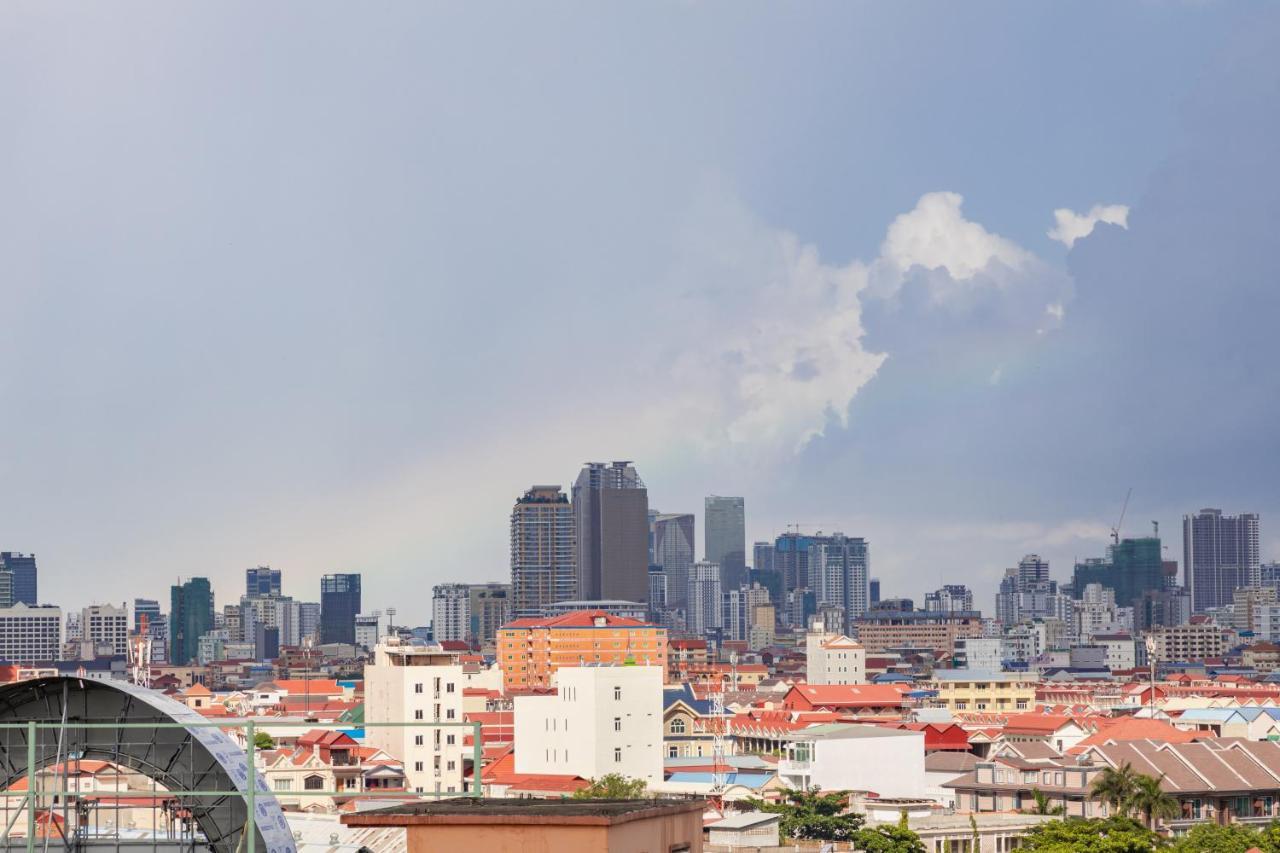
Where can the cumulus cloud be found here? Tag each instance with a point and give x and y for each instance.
(1072, 226)
(936, 235)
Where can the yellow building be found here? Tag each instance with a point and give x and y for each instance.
(983, 690)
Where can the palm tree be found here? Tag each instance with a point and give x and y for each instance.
(1042, 804)
(1115, 786)
(1153, 801)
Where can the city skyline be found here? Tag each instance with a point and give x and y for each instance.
(917, 278)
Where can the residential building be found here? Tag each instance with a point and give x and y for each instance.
(851, 757)
(626, 609)
(6, 588)
(599, 720)
(190, 618)
(838, 575)
(738, 610)
(949, 599)
(1121, 650)
(977, 690)
(30, 634)
(1220, 554)
(658, 598)
(674, 550)
(25, 584)
(791, 558)
(981, 653)
(611, 524)
(450, 612)
(339, 604)
(1196, 641)
(413, 683)
(261, 582)
(268, 621)
(704, 612)
(148, 607)
(328, 761)
(531, 650)
(157, 627)
(309, 621)
(368, 630)
(879, 630)
(489, 607)
(104, 627)
(763, 625)
(543, 550)
(873, 587)
(832, 658)
(724, 522)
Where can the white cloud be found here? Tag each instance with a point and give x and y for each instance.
(1074, 226)
(935, 235)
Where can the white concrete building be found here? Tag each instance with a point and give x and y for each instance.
(602, 719)
(704, 609)
(104, 626)
(412, 683)
(853, 757)
(984, 653)
(833, 658)
(450, 611)
(30, 634)
(1121, 650)
(369, 630)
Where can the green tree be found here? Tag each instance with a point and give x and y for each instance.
(613, 786)
(1043, 804)
(888, 839)
(1212, 838)
(1115, 786)
(262, 740)
(810, 815)
(1152, 801)
(1077, 835)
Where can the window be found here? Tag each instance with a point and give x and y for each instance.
(677, 726)
(417, 688)
(417, 765)
(448, 715)
(283, 784)
(449, 740)
(313, 783)
(617, 694)
(673, 751)
(417, 715)
(617, 755)
(452, 765)
(417, 740)
(617, 724)
(448, 688)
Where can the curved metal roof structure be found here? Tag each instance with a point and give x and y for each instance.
(192, 756)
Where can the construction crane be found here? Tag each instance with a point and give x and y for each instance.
(1115, 531)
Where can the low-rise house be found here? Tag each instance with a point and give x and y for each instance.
(1058, 731)
(977, 690)
(863, 700)
(330, 762)
(745, 829)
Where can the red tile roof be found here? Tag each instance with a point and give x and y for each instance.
(578, 619)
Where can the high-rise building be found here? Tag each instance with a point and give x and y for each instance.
(1220, 554)
(1032, 570)
(873, 587)
(762, 556)
(339, 604)
(6, 588)
(673, 550)
(450, 612)
(279, 613)
(948, 598)
(190, 617)
(308, 621)
(148, 607)
(611, 523)
(105, 626)
(704, 611)
(261, 581)
(791, 558)
(25, 576)
(1132, 568)
(725, 531)
(530, 650)
(543, 554)
(30, 634)
(838, 575)
(657, 591)
(738, 607)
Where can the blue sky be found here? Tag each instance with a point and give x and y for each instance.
(327, 287)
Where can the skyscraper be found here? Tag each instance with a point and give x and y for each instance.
(190, 618)
(791, 558)
(838, 573)
(543, 556)
(450, 611)
(725, 533)
(1219, 554)
(673, 550)
(873, 587)
(611, 524)
(704, 610)
(339, 604)
(23, 566)
(262, 581)
(6, 588)
(762, 556)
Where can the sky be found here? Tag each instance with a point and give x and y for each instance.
(326, 287)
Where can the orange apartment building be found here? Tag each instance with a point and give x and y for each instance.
(529, 650)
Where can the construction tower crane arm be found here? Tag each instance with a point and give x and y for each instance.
(1115, 531)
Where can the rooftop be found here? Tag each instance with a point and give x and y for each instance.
(516, 811)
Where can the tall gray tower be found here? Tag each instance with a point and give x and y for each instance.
(1220, 554)
(611, 521)
(725, 528)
